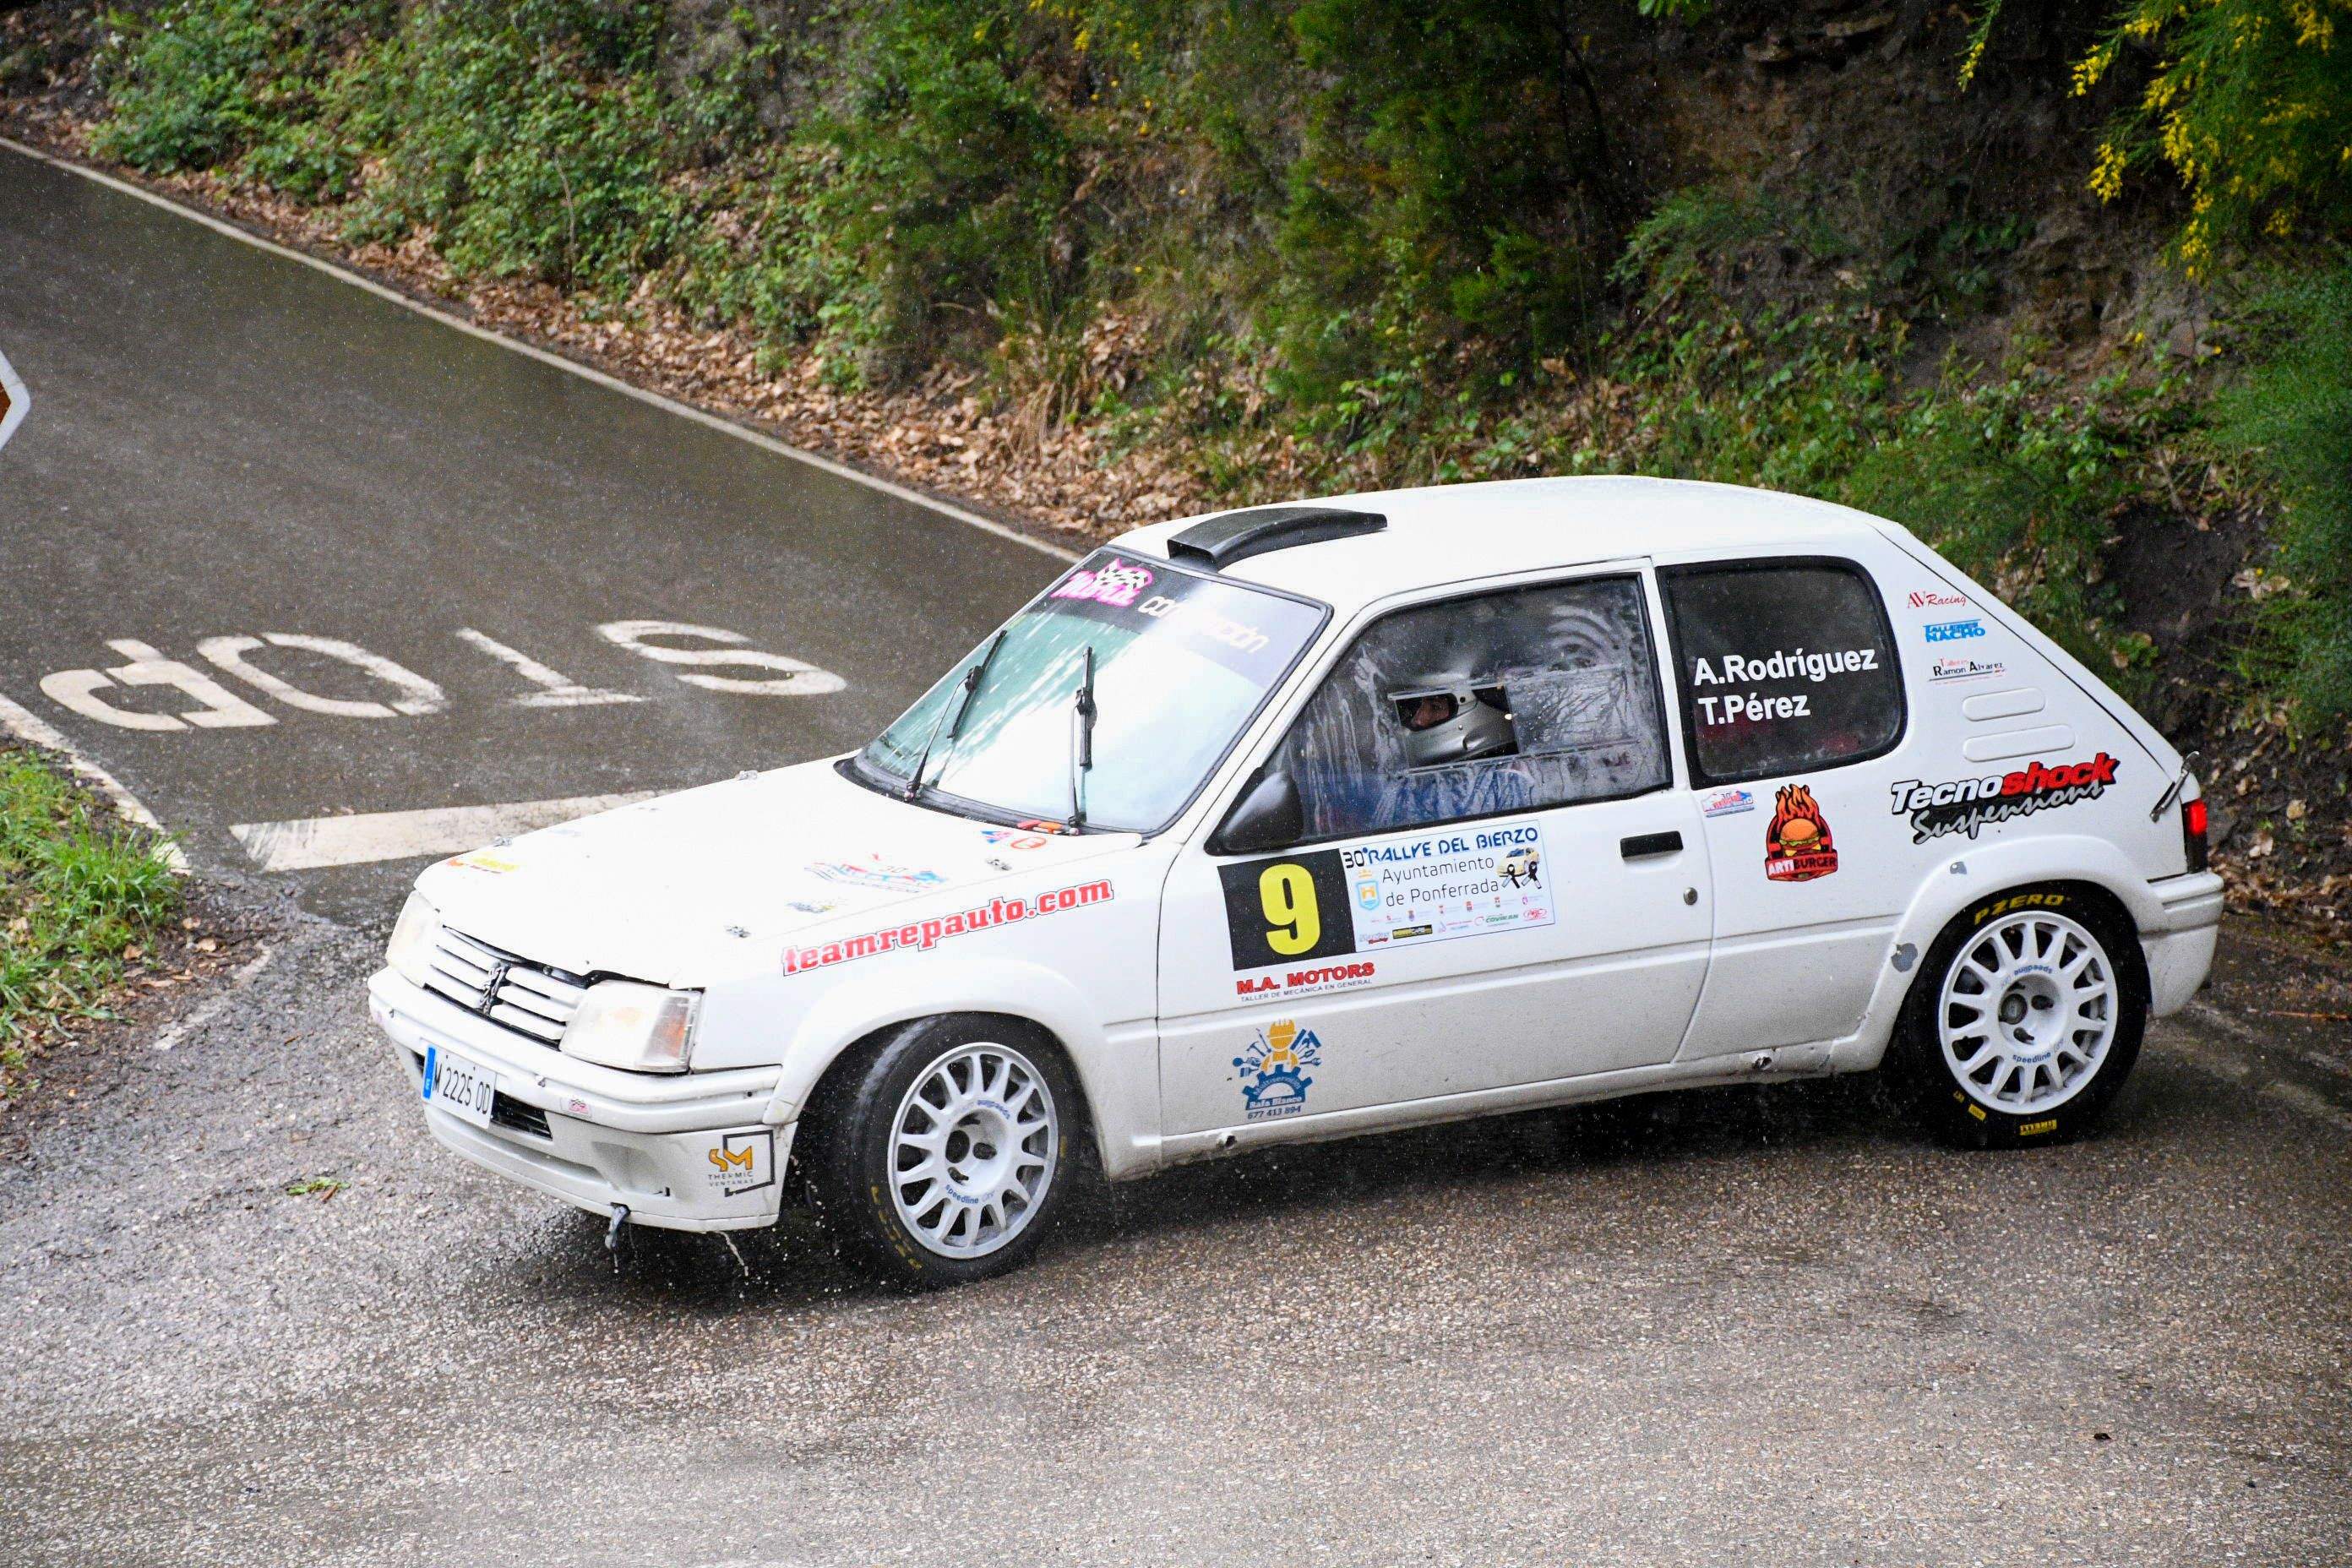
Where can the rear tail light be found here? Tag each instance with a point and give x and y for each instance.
(2192, 833)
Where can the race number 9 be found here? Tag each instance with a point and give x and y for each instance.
(1290, 908)
(1296, 923)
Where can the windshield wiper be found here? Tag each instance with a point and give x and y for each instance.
(1082, 755)
(954, 709)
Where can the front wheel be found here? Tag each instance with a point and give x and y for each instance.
(2024, 1021)
(940, 1159)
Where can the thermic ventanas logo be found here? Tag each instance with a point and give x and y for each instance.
(1968, 805)
(1797, 843)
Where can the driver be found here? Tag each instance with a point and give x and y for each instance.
(1454, 723)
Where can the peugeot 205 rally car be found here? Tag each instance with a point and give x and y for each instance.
(1303, 821)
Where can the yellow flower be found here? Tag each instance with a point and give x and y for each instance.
(2107, 178)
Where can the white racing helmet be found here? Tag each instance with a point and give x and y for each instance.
(1452, 721)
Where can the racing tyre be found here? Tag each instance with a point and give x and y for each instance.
(942, 1156)
(2024, 1021)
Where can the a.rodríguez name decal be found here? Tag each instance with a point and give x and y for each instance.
(1968, 805)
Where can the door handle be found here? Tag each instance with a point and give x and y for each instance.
(1642, 845)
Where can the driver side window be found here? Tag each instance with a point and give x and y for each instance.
(1508, 701)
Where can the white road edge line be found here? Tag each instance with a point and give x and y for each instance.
(311, 842)
(545, 356)
(21, 722)
(212, 1009)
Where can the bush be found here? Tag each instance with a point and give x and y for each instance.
(2289, 419)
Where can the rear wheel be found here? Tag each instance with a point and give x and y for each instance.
(2024, 1021)
(940, 1158)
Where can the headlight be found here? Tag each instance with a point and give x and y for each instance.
(410, 950)
(643, 1029)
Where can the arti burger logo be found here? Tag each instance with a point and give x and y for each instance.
(1797, 843)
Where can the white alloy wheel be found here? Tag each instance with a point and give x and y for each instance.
(973, 1150)
(2028, 1012)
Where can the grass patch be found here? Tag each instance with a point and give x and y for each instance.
(81, 898)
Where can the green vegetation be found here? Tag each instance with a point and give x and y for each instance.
(1332, 243)
(78, 895)
(2291, 417)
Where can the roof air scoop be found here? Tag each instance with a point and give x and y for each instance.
(1218, 541)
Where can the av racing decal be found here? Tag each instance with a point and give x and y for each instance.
(1937, 599)
(1426, 887)
(924, 934)
(1797, 846)
(1274, 1070)
(1968, 805)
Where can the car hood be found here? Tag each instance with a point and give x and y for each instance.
(689, 887)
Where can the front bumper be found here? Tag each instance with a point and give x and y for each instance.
(2178, 945)
(689, 1151)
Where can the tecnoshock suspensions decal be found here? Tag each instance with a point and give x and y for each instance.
(1967, 805)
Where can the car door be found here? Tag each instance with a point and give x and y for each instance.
(1793, 718)
(1495, 882)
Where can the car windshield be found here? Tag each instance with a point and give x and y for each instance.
(1181, 663)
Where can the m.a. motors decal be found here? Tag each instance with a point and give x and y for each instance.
(1967, 805)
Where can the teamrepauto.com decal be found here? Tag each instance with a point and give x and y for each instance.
(1967, 806)
(924, 934)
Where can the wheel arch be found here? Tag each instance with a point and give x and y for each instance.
(1116, 1071)
(2094, 869)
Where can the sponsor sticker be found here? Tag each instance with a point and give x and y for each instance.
(1274, 1070)
(1969, 805)
(1307, 982)
(1949, 668)
(1797, 846)
(1727, 803)
(922, 935)
(485, 861)
(1118, 583)
(1012, 838)
(742, 1161)
(1935, 599)
(1327, 903)
(875, 872)
(1954, 631)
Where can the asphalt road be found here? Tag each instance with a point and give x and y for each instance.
(1766, 1326)
(226, 444)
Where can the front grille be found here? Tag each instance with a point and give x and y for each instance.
(533, 1000)
(507, 1111)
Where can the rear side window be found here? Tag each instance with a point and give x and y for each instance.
(1786, 666)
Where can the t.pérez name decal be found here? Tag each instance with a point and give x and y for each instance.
(1787, 664)
(924, 934)
(1967, 806)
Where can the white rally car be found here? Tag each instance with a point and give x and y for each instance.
(1304, 821)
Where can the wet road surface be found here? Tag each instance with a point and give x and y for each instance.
(1769, 1326)
(224, 444)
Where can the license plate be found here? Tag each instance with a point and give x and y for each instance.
(463, 1089)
